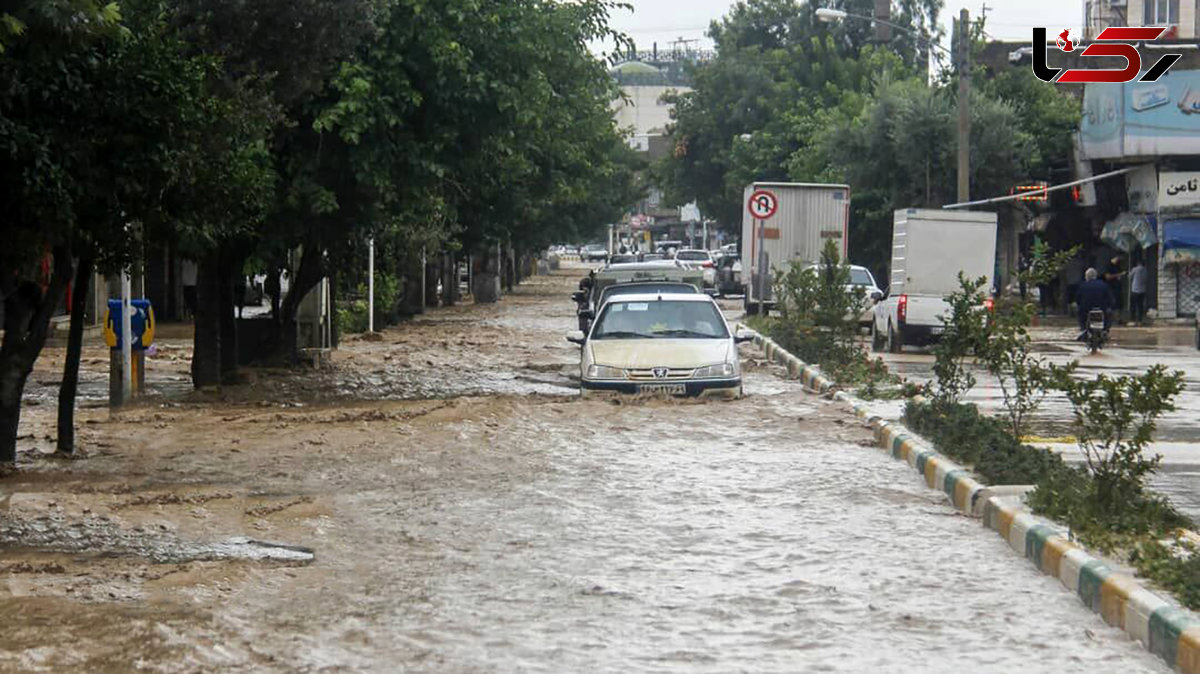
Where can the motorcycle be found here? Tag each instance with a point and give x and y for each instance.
(1097, 334)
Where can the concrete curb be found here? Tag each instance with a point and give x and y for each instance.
(1165, 629)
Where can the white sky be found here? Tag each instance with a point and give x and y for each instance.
(669, 20)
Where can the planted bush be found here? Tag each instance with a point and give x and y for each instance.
(962, 433)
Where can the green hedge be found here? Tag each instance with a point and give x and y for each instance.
(962, 433)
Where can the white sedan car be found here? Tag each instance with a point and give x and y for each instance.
(671, 344)
(700, 259)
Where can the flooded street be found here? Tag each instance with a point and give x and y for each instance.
(443, 501)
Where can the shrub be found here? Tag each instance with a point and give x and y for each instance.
(962, 433)
(964, 329)
(1114, 420)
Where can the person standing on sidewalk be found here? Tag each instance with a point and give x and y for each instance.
(1137, 292)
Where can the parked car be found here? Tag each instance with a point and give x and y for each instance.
(621, 258)
(861, 277)
(702, 259)
(668, 248)
(594, 252)
(673, 344)
(653, 257)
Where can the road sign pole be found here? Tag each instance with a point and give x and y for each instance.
(762, 267)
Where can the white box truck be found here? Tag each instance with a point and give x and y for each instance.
(929, 249)
(802, 216)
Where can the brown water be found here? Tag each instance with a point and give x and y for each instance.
(515, 529)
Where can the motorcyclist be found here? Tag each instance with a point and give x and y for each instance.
(1093, 293)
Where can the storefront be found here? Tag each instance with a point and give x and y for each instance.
(1181, 256)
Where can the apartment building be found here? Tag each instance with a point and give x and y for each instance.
(1179, 16)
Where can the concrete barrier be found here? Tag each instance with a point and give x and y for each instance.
(1159, 625)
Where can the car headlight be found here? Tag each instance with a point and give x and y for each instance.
(605, 372)
(721, 370)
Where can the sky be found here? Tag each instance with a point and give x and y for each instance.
(665, 21)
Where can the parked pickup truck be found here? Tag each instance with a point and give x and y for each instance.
(929, 249)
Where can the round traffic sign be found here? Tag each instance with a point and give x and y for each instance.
(763, 204)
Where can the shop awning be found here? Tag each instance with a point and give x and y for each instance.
(1181, 241)
(1130, 231)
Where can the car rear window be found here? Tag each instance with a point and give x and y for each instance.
(660, 319)
(692, 255)
(861, 277)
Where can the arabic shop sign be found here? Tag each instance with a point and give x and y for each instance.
(1176, 189)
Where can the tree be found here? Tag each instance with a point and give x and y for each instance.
(97, 127)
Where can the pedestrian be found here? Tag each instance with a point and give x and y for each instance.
(1113, 276)
(1137, 292)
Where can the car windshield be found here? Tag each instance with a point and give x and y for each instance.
(861, 277)
(660, 319)
(692, 255)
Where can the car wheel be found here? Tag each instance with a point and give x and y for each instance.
(895, 342)
(876, 338)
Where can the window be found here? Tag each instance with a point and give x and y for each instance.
(1160, 12)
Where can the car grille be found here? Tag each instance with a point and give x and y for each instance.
(672, 374)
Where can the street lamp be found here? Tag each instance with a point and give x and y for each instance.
(963, 60)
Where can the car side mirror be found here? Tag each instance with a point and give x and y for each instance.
(576, 337)
(578, 296)
(742, 339)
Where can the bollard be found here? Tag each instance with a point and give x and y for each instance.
(141, 322)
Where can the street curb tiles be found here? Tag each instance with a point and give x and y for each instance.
(1166, 630)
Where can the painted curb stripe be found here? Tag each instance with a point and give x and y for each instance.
(1091, 576)
(1187, 653)
(1053, 549)
(1114, 596)
(1167, 626)
(1035, 545)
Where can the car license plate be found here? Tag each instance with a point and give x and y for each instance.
(670, 389)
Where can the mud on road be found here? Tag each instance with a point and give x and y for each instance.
(467, 512)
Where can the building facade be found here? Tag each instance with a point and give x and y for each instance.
(1180, 17)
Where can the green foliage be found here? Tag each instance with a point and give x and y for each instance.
(1005, 348)
(817, 320)
(1114, 420)
(1045, 265)
(352, 313)
(965, 328)
(962, 433)
(1175, 566)
(818, 316)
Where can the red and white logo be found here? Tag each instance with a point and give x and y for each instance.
(1112, 41)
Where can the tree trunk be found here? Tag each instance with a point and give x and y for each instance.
(308, 275)
(449, 280)
(27, 313)
(485, 281)
(206, 352)
(230, 269)
(433, 271)
(70, 380)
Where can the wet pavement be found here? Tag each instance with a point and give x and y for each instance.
(1131, 352)
(468, 512)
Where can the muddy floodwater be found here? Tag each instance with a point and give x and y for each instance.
(443, 501)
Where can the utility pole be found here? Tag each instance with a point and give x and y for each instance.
(883, 14)
(964, 106)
